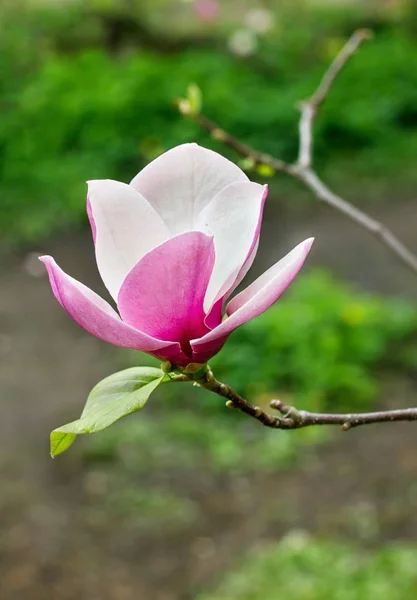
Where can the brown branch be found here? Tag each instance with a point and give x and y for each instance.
(301, 169)
(244, 150)
(296, 419)
(239, 147)
(210, 383)
(292, 418)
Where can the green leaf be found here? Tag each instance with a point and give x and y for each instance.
(195, 98)
(113, 398)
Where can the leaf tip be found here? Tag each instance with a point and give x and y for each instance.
(60, 442)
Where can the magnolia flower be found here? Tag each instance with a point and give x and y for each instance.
(171, 247)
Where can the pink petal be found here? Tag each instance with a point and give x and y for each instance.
(253, 301)
(234, 218)
(97, 317)
(125, 227)
(215, 316)
(280, 275)
(163, 294)
(182, 181)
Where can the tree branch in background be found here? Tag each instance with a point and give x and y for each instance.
(301, 169)
(310, 107)
(293, 418)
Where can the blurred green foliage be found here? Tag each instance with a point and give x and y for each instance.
(303, 568)
(136, 507)
(320, 348)
(79, 105)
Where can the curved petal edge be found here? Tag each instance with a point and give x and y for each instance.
(98, 318)
(125, 227)
(181, 182)
(234, 218)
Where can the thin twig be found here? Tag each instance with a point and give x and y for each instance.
(301, 169)
(385, 235)
(310, 107)
(244, 150)
(210, 383)
(296, 419)
(345, 54)
(292, 418)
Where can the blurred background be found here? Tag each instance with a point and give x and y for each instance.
(188, 500)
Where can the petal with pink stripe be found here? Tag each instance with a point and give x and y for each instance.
(254, 300)
(163, 295)
(97, 317)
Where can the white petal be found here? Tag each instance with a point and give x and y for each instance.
(234, 218)
(182, 181)
(126, 228)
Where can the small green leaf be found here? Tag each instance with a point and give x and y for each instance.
(195, 98)
(113, 398)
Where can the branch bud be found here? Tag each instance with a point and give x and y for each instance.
(166, 366)
(196, 371)
(247, 164)
(219, 135)
(184, 107)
